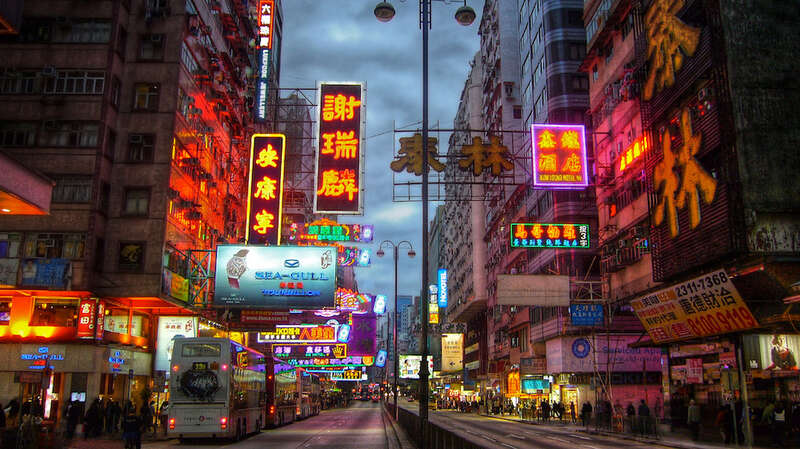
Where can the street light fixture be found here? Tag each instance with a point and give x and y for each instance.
(465, 15)
(411, 254)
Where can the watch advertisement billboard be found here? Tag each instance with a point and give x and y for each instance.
(275, 277)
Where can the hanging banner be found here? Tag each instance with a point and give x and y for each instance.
(452, 352)
(706, 305)
(86, 318)
(265, 191)
(264, 47)
(101, 319)
(694, 371)
(341, 122)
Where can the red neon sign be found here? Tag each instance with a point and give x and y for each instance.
(559, 156)
(265, 23)
(338, 173)
(264, 203)
(86, 318)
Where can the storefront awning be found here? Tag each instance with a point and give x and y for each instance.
(151, 304)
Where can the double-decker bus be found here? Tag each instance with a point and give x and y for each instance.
(309, 403)
(217, 389)
(282, 392)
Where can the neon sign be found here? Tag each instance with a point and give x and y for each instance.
(559, 156)
(335, 351)
(41, 357)
(341, 119)
(265, 191)
(301, 333)
(441, 278)
(550, 235)
(633, 153)
(350, 256)
(265, 28)
(86, 319)
(330, 231)
(265, 23)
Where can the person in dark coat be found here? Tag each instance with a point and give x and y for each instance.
(132, 430)
(2, 418)
(73, 417)
(92, 420)
(586, 413)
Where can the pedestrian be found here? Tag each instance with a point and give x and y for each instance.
(132, 430)
(116, 415)
(644, 417)
(545, 411)
(2, 419)
(91, 419)
(73, 417)
(779, 425)
(693, 419)
(164, 415)
(586, 413)
(572, 415)
(723, 423)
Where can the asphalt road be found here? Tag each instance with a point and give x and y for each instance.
(360, 426)
(494, 433)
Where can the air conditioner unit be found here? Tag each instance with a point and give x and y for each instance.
(136, 138)
(50, 124)
(156, 38)
(49, 243)
(49, 71)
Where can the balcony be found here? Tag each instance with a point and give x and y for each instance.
(464, 311)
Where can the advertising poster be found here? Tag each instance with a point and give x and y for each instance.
(706, 305)
(550, 235)
(586, 314)
(452, 352)
(275, 277)
(694, 370)
(409, 366)
(8, 272)
(170, 328)
(579, 355)
(772, 352)
(45, 272)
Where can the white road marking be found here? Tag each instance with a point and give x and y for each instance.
(582, 437)
(519, 437)
(508, 445)
(488, 437)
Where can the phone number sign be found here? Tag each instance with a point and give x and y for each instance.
(706, 305)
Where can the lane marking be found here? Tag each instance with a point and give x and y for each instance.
(488, 437)
(508, 445)
(582, 437)
(519, 437)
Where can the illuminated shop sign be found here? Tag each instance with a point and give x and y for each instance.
(380, 359)
(335, 351)
(301, 333)
(86, 318)
(265, 23)
(341, 124)
(275, 277)
(265, 28)
(40, 358)
(633, 153)
(441, 277)
(330, 231)
(559, 156)
(351, 301)
(409, 365)
(351, 375)
(550, 235)
(379, 308)
(325, 362)
(433, 305)
(265, 191)
(350, 256)
(118, 360)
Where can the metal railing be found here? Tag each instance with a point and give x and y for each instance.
(435, 437)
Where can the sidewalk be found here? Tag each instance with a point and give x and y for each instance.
(671, 439)
(107, 441)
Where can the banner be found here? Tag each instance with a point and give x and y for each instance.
(533, 290)
(452, 352)
(265, 189)
(86, 318)
(45, 273)
(586, 314)
(694, 371)
(706, 305)
(169, 329)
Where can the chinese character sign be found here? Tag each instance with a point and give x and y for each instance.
(340, 143)
(707, 305)
(586, 314)
(669, 43)
(266, 189)
(265, 28)
(265, 23)
(559, 156)
(86, 319)
(550, 235)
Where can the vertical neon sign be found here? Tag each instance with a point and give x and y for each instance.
(341, 120)
(265, 29)
(265, 191)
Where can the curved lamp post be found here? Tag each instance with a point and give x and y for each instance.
(411, 254)
(465, 15)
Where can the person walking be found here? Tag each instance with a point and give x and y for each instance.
(73, 415)
(572, 415)
(586, 413)
(630, 416)
(132, 430)
(644, 418)
(779, 425)
(693, 419)
(723, 423)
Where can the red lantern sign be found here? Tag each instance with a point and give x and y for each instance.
(265, 192)
(341, 116)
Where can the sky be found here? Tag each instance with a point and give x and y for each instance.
(341, 40)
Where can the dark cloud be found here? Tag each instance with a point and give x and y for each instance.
(340, 40)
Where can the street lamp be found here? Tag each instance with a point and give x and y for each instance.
(411, 254)
(384, 12)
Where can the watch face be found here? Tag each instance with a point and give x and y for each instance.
(237, 265)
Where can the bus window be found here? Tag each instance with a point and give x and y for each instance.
(200, 350)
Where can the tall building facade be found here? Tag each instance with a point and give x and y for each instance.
(692, 186)
(138, 111)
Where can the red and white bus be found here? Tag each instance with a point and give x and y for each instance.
(217, 389)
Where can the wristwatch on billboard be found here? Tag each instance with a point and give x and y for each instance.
(236, 267)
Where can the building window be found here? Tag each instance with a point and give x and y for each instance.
(151, 47)
(145, 97)
(141, 147)
(99, 254)
(594, 73)
(575, 18)
(9, 247)
(18, 134)
(116, 91)
(55, 246)
(517, 112)
(70, 134)
(580, 83)
(188, 59)
(87, 32)
(137, 201)
(577, 51)
(72, 189)
(131, 256)
(54, 312)
(13, 82)
(75, 82)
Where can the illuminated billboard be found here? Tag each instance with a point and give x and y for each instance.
(409, 366)
(265, 189)
(550, 235)
(559, 156)
(265, 29)
(341, 121)
(300, 333)
(441, 278)
(452, 352)
(169, 329)
(275, 277)
(349, 375)
(326, 230)
(329, 350)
